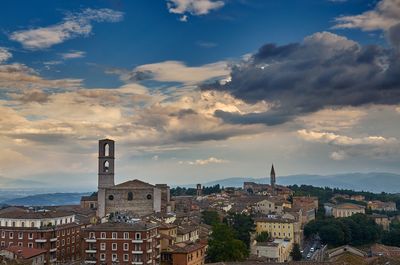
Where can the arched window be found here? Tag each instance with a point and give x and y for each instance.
(106, 150)
(130, 196)
(22, 224)
(106, 166)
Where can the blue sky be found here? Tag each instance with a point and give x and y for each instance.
(213, 88)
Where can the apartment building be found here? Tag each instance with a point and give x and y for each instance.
(135, 243)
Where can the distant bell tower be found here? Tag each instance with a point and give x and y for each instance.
(198, 190)
(273, 180)
(105, 172)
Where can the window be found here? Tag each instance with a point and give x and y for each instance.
(30, 245)
(103, 235)
(63, 242)
(126, 246)
(126, 235)
(111, 197)
(138, 236)
(11, 235)
(3, 234)
(114, 257)
(114, 235)
(22, 224)
(130, 196)
(92, 235)
(149, 196)
(20, 244)
(102, 246)
(73, 239)
(114, 246)
(126, 257)
(20, 235)
(68, 240)
(13, 224)
(102, 256)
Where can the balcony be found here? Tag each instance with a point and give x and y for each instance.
(137, 251)
(137, 262)
(93, 250)
(137, 241)
(149, 261)
(41, 240)
(90, 240)
(149, 250)
(158, 246)
(158, 236)
(53, 239)
(149, 240)
(53, 250)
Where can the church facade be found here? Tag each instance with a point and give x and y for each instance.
(133, 197)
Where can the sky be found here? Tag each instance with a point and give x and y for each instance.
(198, 90)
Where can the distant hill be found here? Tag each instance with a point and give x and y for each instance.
(374, 181)
(48, 199)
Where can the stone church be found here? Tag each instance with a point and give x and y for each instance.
(134, 196)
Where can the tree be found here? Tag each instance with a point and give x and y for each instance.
(210, 217)
(296, 254)
(223, 245)
(262, 237)
(242, 224)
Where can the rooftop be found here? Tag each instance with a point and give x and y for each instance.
(30, 214)
(25, 252)
(115, 226)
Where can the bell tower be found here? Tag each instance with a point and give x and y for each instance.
(273, 180)
(105, 173)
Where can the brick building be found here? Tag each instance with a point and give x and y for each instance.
(135, 243)
(53, 231)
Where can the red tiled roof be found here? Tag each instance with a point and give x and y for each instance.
(25, 252)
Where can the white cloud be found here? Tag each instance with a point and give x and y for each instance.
(72, 26)
(4, 55)
(203, 162)
(385, 15)
(21, 77)
(341, 140)
(174, 71)
(193, 7)
(370, 146)
(73, 55)
(183, 18)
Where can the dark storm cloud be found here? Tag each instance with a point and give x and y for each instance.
(394, 36)
(325, 70)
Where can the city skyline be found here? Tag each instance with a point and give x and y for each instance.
(194, 91)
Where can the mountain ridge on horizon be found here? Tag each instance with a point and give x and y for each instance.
(372, 181)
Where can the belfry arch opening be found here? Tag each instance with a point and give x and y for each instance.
(106, 150)
(106, 166)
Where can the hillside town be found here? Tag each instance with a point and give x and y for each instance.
(139, 223)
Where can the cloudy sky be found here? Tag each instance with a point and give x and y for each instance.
(198, 90)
